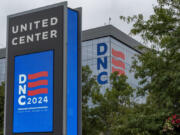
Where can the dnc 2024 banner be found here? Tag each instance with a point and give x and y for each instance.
(33, 93)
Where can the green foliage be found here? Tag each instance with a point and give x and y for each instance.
(105, 111)
(163, 65)
(2, 89)
(114, 104)
(89, 85)
(114, 112)
(159, 66)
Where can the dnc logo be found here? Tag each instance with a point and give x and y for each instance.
(29, 88)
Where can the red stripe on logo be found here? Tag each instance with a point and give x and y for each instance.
(38, 91)
(37, 83)
(118, 54)
(37, 75)
(120, 72)
(118, 63)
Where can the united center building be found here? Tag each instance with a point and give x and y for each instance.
(105, 49)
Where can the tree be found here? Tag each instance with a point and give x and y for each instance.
(89, 85)
(105, 111)
(159, 66)
(112, 106)
(2, 89)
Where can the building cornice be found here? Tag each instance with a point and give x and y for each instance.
(112, 31)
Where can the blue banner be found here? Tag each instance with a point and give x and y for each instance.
(33, 93)
(72, 73)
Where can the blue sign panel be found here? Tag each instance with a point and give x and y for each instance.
(72, 73)
(33, 93)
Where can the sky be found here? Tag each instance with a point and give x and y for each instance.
(95, 12)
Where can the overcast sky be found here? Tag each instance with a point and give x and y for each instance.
(95, 12)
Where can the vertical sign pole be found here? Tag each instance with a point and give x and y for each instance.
(43, 85)
(35, 101)
(65, 73)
